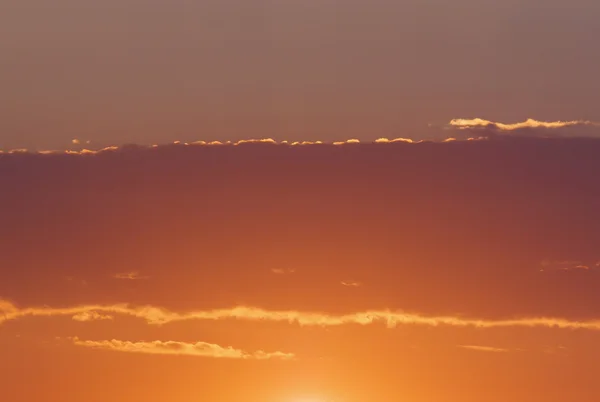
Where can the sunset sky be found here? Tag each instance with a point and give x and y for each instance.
(299, 201)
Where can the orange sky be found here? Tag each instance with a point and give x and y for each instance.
(457, 271)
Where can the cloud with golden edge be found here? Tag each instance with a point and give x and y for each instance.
(350, 141)
(199, 349)
(295, 143)
(351, 284)
(455, 123)
(202, 143)
(483, 348)
(392, 319)
(387, 140)
(529, 123)
(256, 141)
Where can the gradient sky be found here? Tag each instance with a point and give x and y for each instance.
(286, 269)
(459, 271)
(114, 72)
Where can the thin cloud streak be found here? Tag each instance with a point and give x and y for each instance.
(283, 271)
(129, 275)
(483, 348)
(461, 124)
(264, 141)
(199, 349)
(392, 319)
(529, 123)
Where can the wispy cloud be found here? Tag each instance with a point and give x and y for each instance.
(282, 271)
(529, 123)
(200, 349)
(548, 265)
(91, 316)
(392, 319)
(351, 284)
(129, 275)
(483, 348)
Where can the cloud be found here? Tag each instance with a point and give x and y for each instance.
(566, 265)
(352, 284)
(282, 271)
(529, 123)
(579, 267)
(351, 141)
(200, 143)
(91, 316)
(134, 275)
(392, 319)
(456, 124)
(256, 141)
(483, 348)
(387, 140)
(200, 349)
(295, 143)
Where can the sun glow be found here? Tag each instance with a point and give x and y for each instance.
(313, 399)
(309, 399)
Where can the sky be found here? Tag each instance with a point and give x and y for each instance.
(465, 270)
(130, 71)
(299, 201)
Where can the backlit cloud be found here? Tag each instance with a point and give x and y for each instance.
(387, 140)
(263, 141)
(200, 349)
(392, 319)
(350, 141)
(460, 124)
(529, 123)
(91, 316)
(483, 348)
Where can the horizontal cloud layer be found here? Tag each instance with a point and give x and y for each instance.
(271, 141)
(439, 136)
(483, 348)
(200, 349)
(529, 123)
(392, 319)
